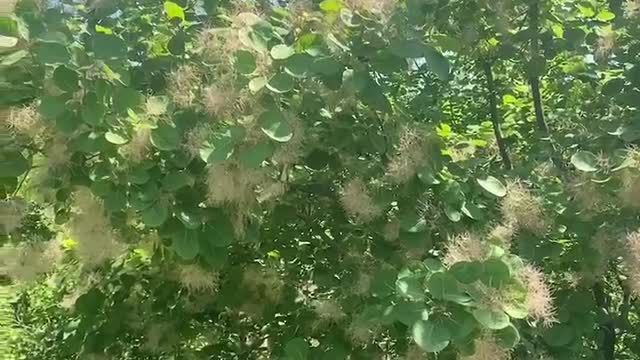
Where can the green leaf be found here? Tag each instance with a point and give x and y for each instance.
(176, 44)
(383, 283)
(115, 201)
(472, 211)
(8, 41)
(256, 154)
(219, 232)
(508, 337)
(495, 273)
(443, 286)
(585, 161)
(491, 319)
(185, 243)
(51, 107)
(156, 214)
(410, 287)
(299, 65)
(281, 52)
(173, 10)
(275, 125)
(427, 176)
(13, 58)
(190, 219)
(245, 62)
(437, 63)
(116, 138)
(408, 48)
(331, 6)
(107, 47)
(221, 146)
(430, 336)
(466, 272)
(12, 164)
(452, 213)
(177, 180)
(605, 15)
(256, 84)
(66, 79)
(51, 52)
(296, 349)
(165, 137)
(493, 186)
(517, 310)
(558, 336)
(408, 312)
(92, 110)
(280, 83)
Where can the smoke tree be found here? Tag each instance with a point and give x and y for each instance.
(338, 179)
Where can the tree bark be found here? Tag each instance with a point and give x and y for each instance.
(495, 117)
(534, 82)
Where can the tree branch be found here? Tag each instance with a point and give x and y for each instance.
(608, 328)
(495, 119)
(534, 81)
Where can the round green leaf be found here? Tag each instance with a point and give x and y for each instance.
(585, 161)
(185, 243)
(116, 138)
(508, 337)
(466, 272)
(66, 79)
(176, 181)
(245, 62)
(107, 47)
(491, 319)
(441, 285)
(493, 186)
(296, 349)
(280, 83)
(221, 146)
(516, 310)
(275, 125)
(8, 41)
(427, 176)
(408, 312)
(256, 154)
(51, 52)
(190, 219)
(256, 84)
(165, 137)
(431, 336)
(495, 273)
(12, 164)
(281, 52)
(559, 335)
(51, 107)
(155, 215)
(437, 63)
(173, 10)
(219, 232)
(92, 110)
(176, 45)
(298, 65)
(410, 287)
(13, 58)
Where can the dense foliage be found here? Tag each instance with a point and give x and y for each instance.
(340, 179)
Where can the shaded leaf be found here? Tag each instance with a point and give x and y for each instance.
(430, 336)
(493, 186)
(585, 161)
